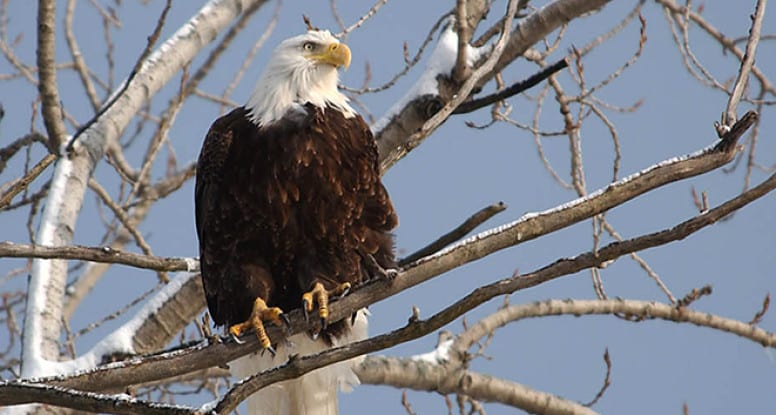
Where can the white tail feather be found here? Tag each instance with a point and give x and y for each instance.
(312, 394)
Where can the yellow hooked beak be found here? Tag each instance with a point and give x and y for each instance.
(336, 54)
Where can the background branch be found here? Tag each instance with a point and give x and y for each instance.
(47, 74)
(746, 63)
(105, 255)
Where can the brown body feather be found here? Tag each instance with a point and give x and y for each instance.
(281, 207)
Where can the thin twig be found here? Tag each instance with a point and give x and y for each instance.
(372, 11)
(726, 42)
(514, 89)
(25, 181)
(124, 219)
(78, 60)
(746, 64)
(408, 63)
(459, 232)
(760, 314)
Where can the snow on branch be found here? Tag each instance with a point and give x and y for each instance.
(464, 90)
(123, 340)
(47, 279)
(440, 63)
(427, 96)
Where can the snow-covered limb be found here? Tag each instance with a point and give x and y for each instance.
(533, 225)
(440, 63)
(440, 354)
(461, 93)
(428, 95)
(47, 279)
(15, 392)
(124, 340)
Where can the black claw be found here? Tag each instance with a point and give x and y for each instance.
(353, 318)
(236, 339)
(323, 324)
(344, 293)
(271, 351)
(286, 320)
(304, 310)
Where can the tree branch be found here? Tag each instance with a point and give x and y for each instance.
(47, 74)
(421, 375)
(746, 64)
(104, 254)
(15, 393)
(514, 89)
(25, 181)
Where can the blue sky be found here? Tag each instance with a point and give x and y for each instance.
(657, 366)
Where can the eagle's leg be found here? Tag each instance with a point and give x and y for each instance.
(319, 295)
(374, 268)
(259, 315)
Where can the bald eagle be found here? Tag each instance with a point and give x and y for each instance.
(290, 210)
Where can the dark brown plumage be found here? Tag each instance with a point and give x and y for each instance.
(282, 207)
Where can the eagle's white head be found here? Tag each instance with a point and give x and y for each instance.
(302, 69)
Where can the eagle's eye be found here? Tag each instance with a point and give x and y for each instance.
(308, 46)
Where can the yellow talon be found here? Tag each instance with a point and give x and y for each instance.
(259, 315)
(320, 296)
